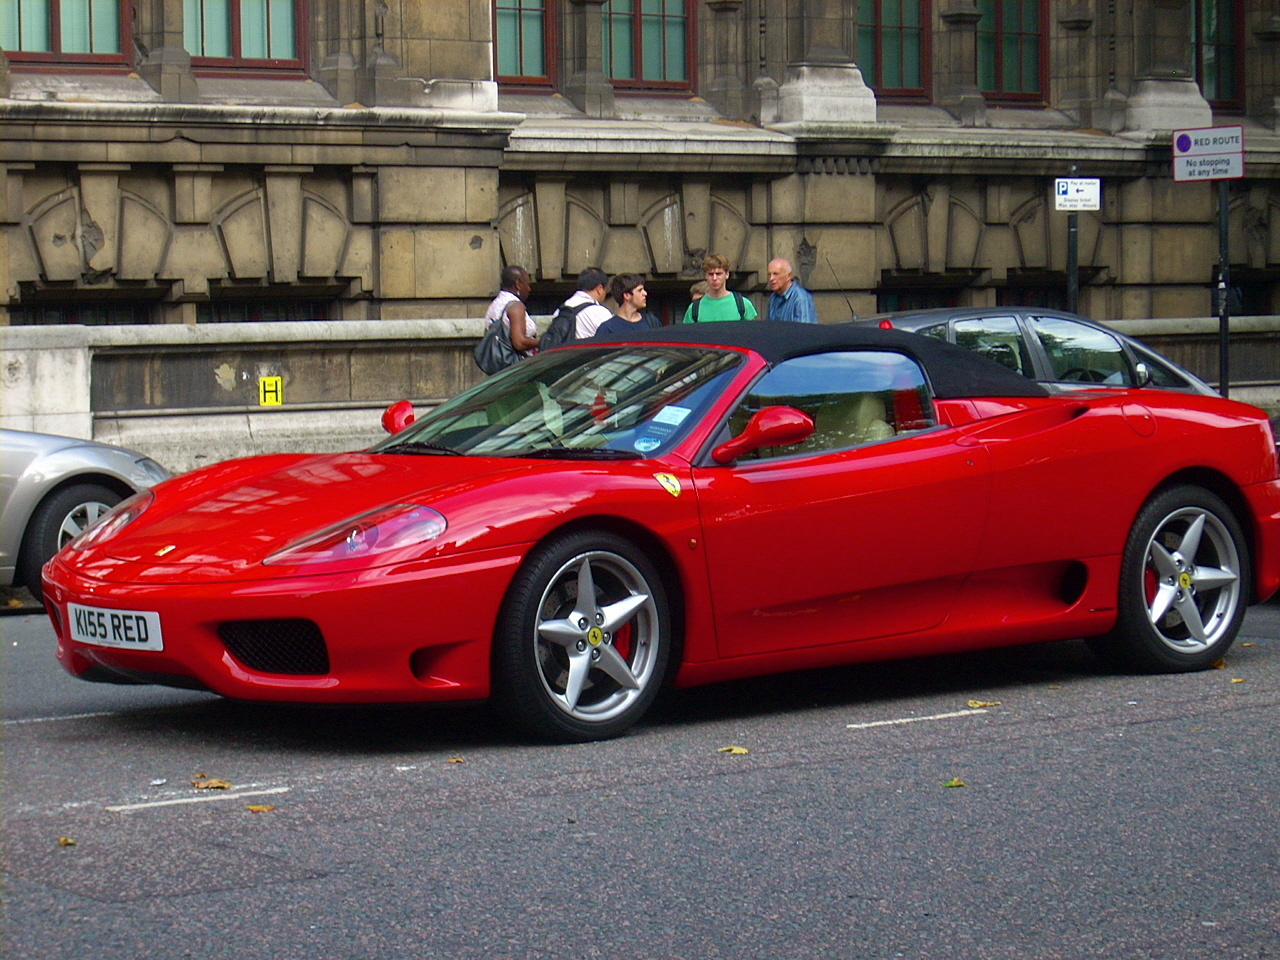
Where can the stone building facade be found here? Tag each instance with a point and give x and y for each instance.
(212, 160)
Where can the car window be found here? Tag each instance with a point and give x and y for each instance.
(605, 403)
(1082, 354)
(1161, 372)
(854, 397)
(998, 339)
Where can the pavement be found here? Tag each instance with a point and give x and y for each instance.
(17, 600)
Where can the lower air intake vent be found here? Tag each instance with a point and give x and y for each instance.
(276, 646)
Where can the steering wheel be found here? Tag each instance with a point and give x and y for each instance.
(1083, 375)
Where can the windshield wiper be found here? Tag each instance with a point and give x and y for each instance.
(577, 453)
(424, 446)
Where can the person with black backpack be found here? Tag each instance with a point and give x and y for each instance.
(580, 315)
(719, 303)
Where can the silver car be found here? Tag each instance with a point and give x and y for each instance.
(51, 488)
(1061, 350)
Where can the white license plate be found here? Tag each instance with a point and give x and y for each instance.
(132, 629)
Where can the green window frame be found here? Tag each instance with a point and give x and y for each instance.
(891, 41)
(55, 30)
(1219, 64)
(647, 43)
(523, 40)
(251, 32)
(1011, 49)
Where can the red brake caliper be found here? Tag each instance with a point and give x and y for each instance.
(622, 641)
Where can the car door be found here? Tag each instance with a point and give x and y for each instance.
(866, 529)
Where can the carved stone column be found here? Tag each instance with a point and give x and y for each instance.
(724, 90)
(1269, 81)
(825, 86)
(587, 86)
(1076, 22)
(381, 72)
(1165, 94)
(332, 34)
(959, 92)
(162, 60)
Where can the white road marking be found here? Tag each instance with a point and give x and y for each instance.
(901, 720)
(216, 795)
(69, 716)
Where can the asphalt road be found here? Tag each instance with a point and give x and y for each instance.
(1101, 816)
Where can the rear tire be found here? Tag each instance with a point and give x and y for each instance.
(58, 519)
(1184, 579)
(582, 640)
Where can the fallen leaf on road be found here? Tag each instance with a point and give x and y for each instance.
(734, 750)
(953, 782)
(979, 704)
(457, 760)
(259, 807)
(66, 842)
(1247, 643)
(1237, 679)
(1219, 664)
(202, 781)
(14, 603)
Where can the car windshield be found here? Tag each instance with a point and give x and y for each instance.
(585, 403)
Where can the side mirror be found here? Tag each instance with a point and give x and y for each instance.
(770, 427)
(1141, 374)
(397, 416)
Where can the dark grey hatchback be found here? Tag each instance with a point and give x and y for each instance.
(1053, 347)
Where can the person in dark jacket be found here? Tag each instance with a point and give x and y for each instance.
(628, 292)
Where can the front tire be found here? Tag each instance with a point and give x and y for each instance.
(1183, 585)
(59, 518)
(582, 640)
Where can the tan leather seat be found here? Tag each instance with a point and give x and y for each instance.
(850, 420)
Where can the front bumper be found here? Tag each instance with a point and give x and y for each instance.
(405, 634)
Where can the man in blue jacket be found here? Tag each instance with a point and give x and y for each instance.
(789, 300)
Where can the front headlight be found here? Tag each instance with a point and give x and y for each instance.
(112, 522)
(365, 535)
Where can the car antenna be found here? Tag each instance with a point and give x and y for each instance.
(853, 314)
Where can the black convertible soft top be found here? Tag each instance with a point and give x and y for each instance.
(953, 371)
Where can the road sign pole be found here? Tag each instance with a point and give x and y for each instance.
(1073, 262)
(1224, 291)
(1069, 195)
(1214, 153)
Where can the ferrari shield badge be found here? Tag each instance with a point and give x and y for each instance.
(669, 483)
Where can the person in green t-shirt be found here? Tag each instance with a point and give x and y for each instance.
(718, 303)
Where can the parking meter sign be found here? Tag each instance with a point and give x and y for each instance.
(1077, 193)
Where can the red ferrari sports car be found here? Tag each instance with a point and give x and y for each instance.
(687, 506)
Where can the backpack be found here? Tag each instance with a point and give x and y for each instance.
(737, 298)
(564, 327)
(494, 352)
